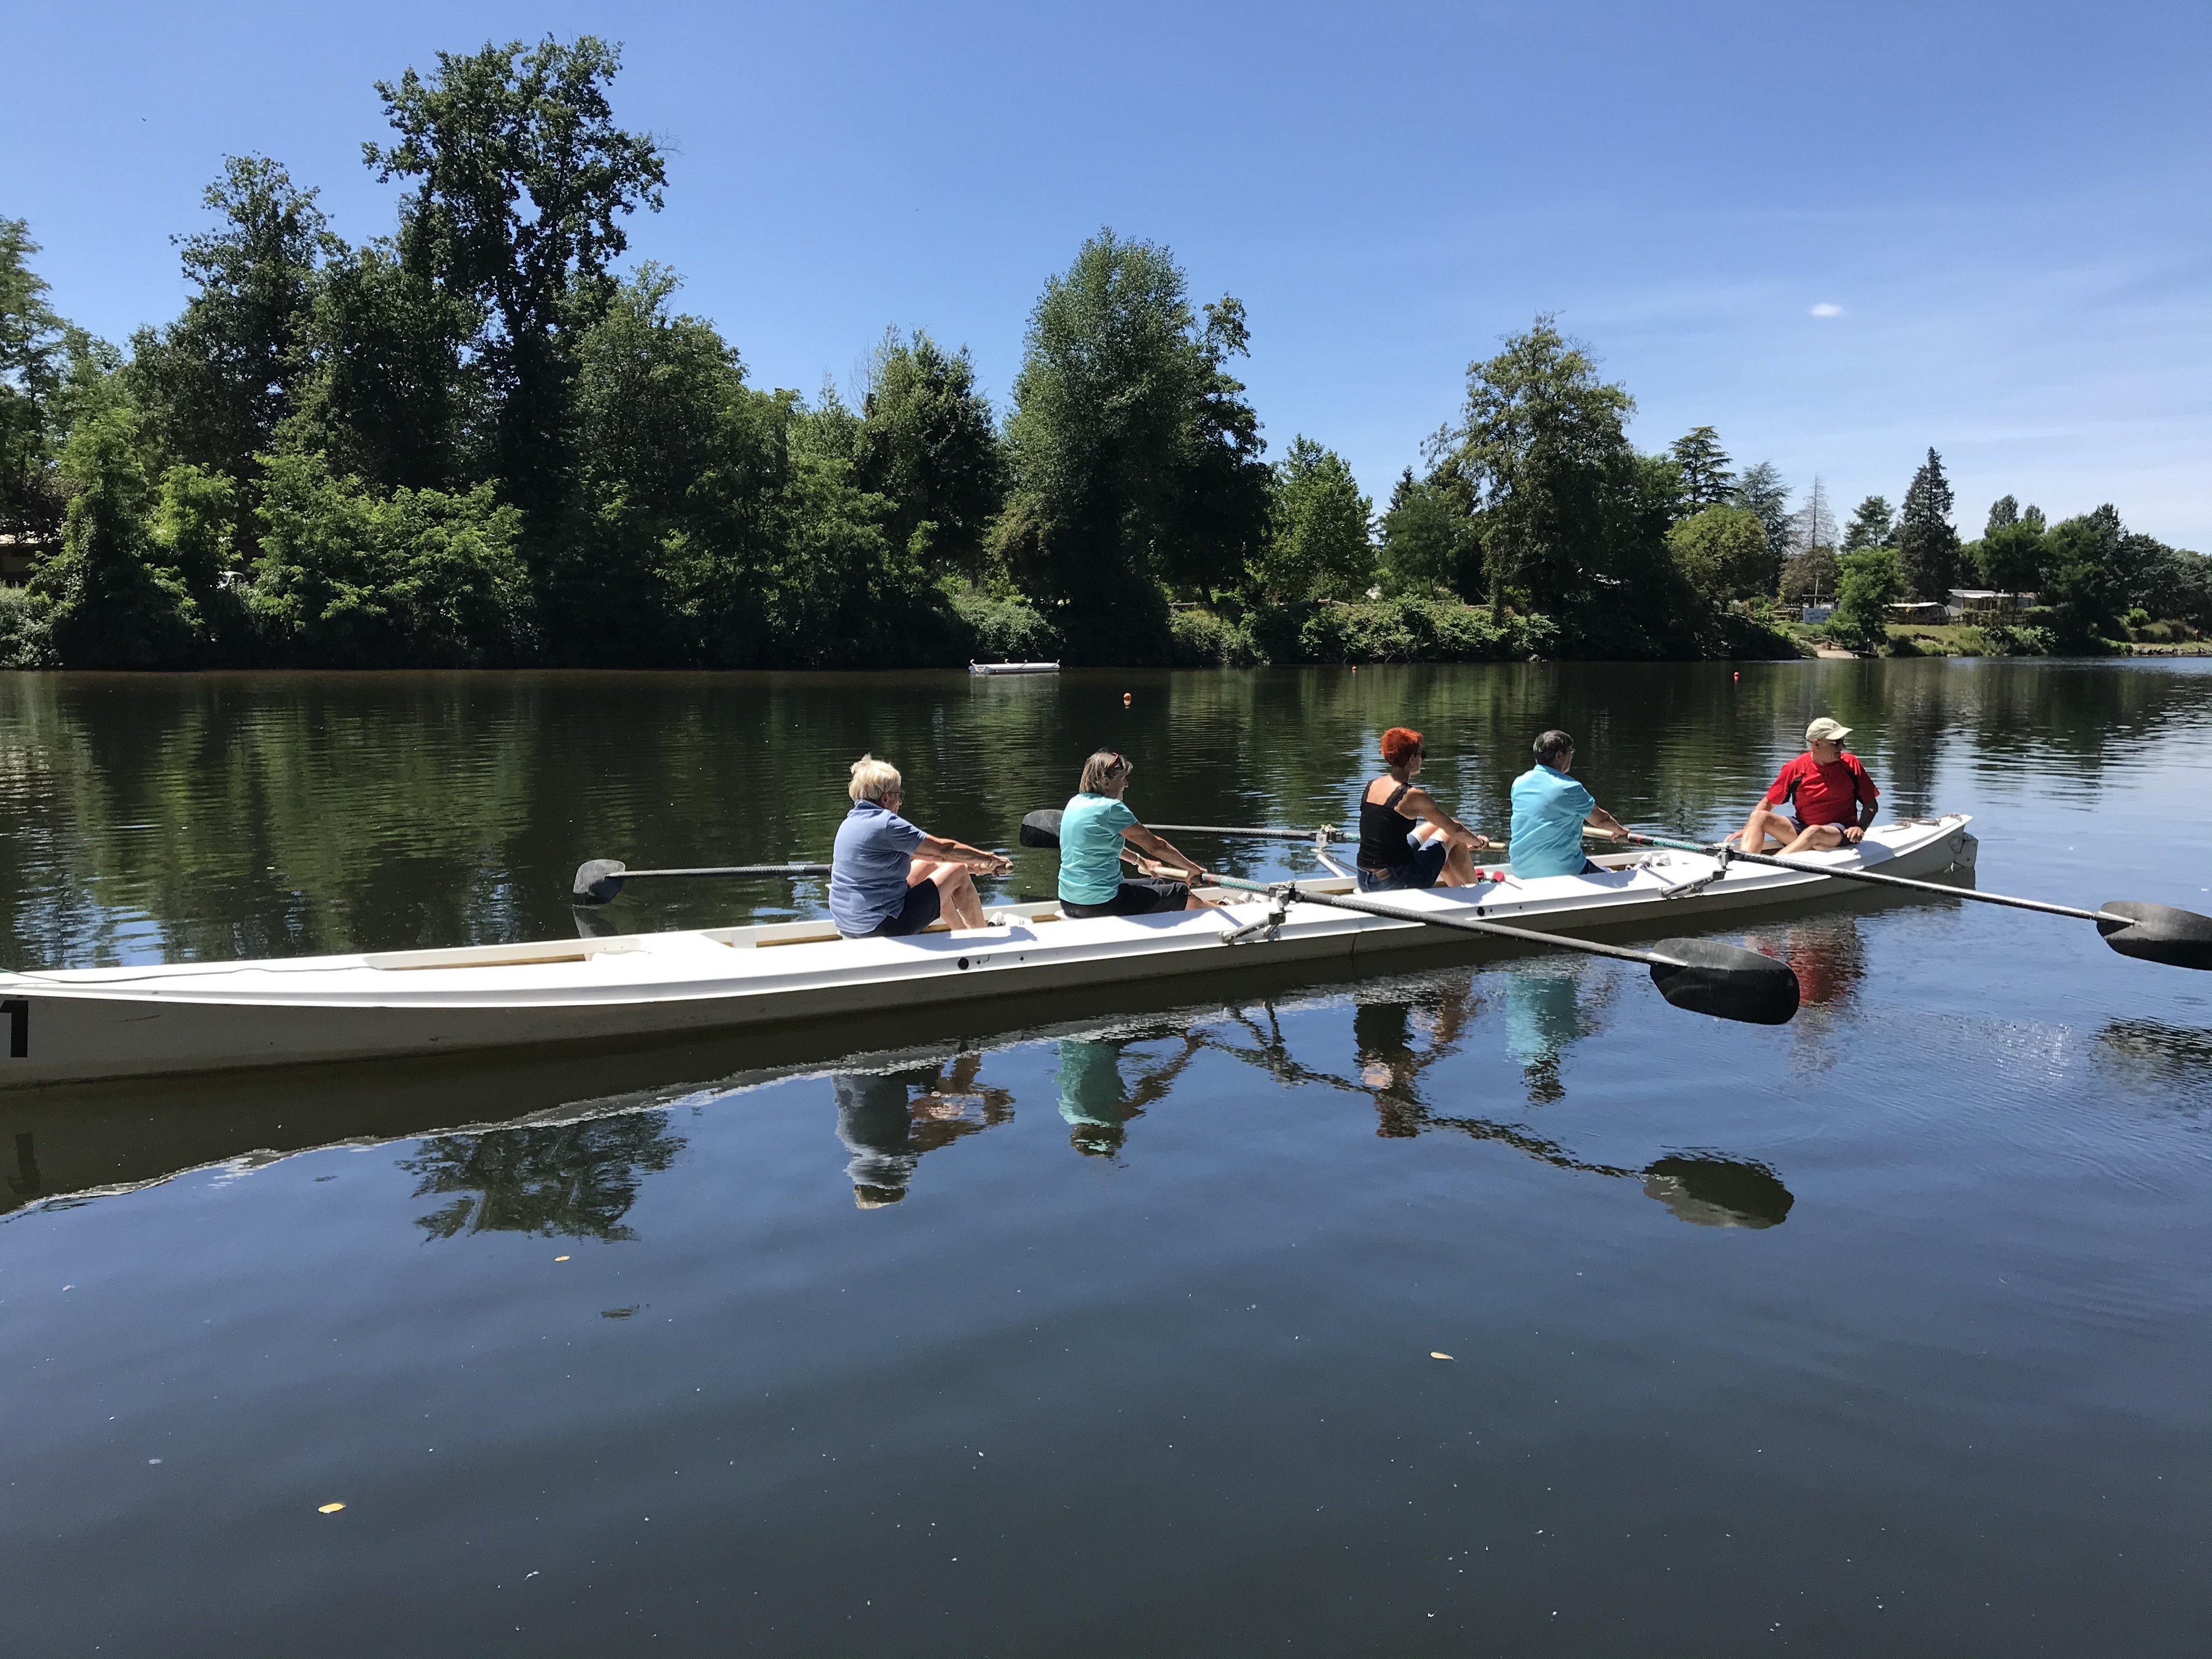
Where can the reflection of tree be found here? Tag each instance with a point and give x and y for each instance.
(576, 1179)
(1098, 1102)
(888, 1119)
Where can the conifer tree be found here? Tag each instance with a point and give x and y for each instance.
(1925, 538)
(1706, 480)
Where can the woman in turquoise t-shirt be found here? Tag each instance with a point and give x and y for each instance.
(1092, 827)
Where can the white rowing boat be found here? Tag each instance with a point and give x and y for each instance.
(1013, 668)
(75, 1024)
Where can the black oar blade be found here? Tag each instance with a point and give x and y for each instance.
(1041, 829)
(598, 882)
(1725, 981)
(2158, 932)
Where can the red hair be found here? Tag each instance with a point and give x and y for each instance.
(1400, 744)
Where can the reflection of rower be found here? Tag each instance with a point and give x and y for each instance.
(888, 1128)
(1382, 1033)
(1544, 1015)
(1094, 1098)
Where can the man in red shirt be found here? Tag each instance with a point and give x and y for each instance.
(1830, 798)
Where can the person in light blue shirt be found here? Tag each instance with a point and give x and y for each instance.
(1549, 810)
(887, 877)
(1092, 827)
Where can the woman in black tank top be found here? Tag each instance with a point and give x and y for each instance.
(1406, 840)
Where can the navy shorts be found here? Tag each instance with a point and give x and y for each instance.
(1140, 898)
(1421, 871)
(923, 903)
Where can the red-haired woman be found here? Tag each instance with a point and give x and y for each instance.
(1407, 839)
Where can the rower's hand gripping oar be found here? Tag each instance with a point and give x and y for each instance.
(601, 879)
(1703, 976)
(2150, 932)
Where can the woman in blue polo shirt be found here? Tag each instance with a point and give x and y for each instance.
(886, 877)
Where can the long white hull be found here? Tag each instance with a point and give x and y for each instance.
(78, 1024)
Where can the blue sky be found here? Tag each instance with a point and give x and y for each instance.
(1839, 234)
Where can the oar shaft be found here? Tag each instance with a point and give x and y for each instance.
(1462, 924)
(1874, 878)
(736, 870)
(1328, 832)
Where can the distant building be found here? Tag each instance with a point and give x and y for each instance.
(18, 554)
(1986, 604)
(1816, 613)
(1917, 610)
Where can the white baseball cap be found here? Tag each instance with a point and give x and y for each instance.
(1824, 730)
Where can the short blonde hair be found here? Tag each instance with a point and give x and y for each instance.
(873, 779)
(1101, 770)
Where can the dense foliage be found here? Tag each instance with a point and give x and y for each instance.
(488, 437)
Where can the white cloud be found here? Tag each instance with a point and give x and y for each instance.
(1824, 309)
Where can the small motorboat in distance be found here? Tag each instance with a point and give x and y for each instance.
(76, 1024)
(1013, 668)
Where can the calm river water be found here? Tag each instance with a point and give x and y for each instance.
(1115, 1327)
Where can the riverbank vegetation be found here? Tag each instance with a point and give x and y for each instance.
(487, 438)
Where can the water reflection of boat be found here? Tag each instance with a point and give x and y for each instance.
(80, 1023)
(573, 1167)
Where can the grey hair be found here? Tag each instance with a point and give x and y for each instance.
(873, 779)
(1552, 745)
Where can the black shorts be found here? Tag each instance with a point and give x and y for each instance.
(1140, 897)
(923, 903)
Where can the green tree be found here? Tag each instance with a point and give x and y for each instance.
(390, 392)
(1134, 456)
(1542, 441)
(1761, 491)
(1321, 548)
(1867, 582)
(1722, 553)
(523, 181)
(1706, 480)
(1926, 541)
(2082, 583)
(927, 442)
(1872, 525)
(34, 361)
(113, 599)
(1429, 541)
(2010, 558)
(353, 578)
(214, 384)
(2005, 510)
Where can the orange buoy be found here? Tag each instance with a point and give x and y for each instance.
(1127, 698)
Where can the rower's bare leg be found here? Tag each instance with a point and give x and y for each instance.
(956, 891)
(1194, 903)
(1767, 831)
(1459, 868)
(1816, 838)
